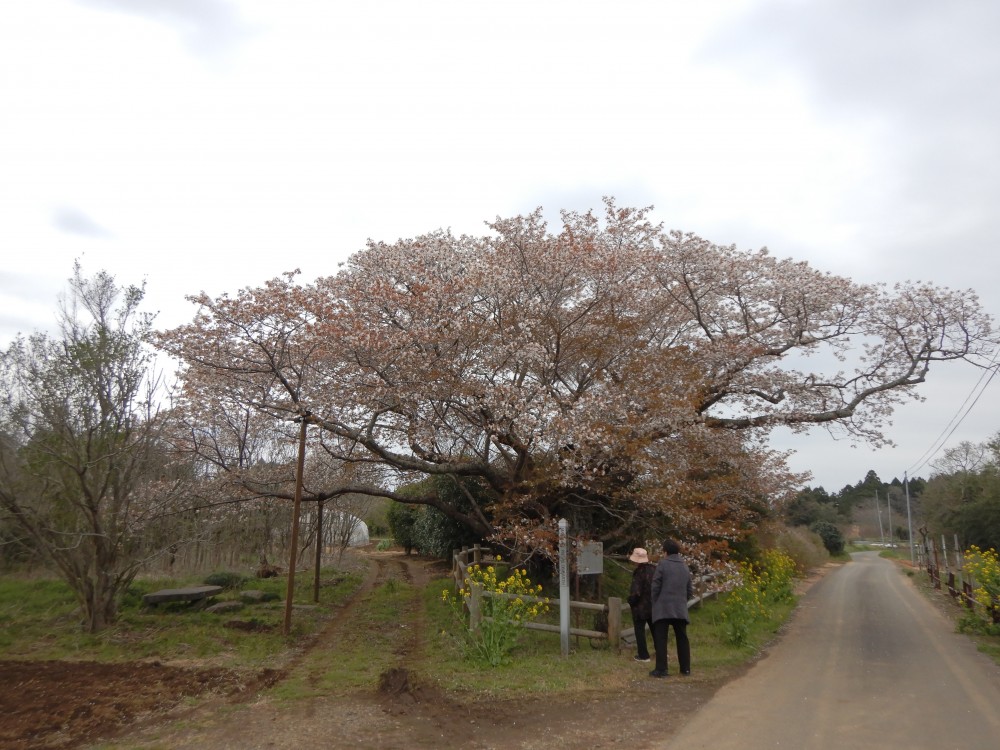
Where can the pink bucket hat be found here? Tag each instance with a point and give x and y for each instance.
(639, 555)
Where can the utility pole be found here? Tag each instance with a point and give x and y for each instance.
(295, 524)
(878, 512)
(888, 505)
(909, 518)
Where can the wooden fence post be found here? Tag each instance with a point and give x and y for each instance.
(475, 606)
(937, 567)
(615, 623)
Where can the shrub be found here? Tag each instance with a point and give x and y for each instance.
(228, 580)
(502, 615)
(744, 605)
(832, 537)
(970, 622)
(755, 587)
(402, 519)
(436, 534)
(776, 573)
(984, 567)
(804, 547)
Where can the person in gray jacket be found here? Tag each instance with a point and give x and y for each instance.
(671, 590)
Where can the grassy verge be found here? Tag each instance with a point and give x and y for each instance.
(398, 625)
(39, 620)
(537, 666)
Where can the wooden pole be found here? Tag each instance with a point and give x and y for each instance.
(615, 623)
(319, 548)
(295, 526)
(475, 606)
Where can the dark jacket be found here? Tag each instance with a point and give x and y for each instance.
(640, 596)
(671, 589)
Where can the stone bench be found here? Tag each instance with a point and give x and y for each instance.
(188, 594)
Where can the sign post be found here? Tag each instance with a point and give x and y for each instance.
(563, 587)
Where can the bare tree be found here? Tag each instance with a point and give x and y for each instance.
(84, 472)
(344, 526)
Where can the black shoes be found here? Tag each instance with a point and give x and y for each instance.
(657, 673)
(640, 659)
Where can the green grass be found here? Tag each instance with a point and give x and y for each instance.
(537, 666)
(39, 620)
(364, 648)
(899, 552)
(397, 625)
(34, 613)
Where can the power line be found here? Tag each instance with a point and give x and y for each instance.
(956, 420)
(929, 453)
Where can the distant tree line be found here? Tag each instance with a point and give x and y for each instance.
(960, 500)
(814, 504)
(963, 497)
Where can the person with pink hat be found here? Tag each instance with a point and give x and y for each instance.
(640, 600)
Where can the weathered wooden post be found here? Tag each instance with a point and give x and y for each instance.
(475, 606)
(615, 623)
(937, 566)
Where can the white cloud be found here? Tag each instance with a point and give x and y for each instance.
(207, 27)
(74, 221)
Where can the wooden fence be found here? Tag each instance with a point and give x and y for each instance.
(613, 609)
(961, 586)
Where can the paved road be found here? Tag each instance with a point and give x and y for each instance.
(867, 663)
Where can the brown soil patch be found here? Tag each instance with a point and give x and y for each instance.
(60, 704)
(407, 714)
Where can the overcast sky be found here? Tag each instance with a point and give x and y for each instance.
(211, 145)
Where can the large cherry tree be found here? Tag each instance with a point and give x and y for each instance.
(611, 372)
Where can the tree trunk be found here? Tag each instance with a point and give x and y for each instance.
(102, 609)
